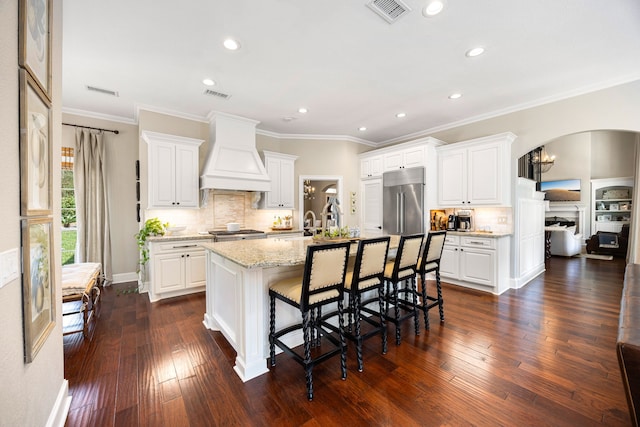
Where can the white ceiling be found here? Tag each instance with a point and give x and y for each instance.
(344, 63)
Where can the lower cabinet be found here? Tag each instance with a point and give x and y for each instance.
(176, 268)
(476, 262)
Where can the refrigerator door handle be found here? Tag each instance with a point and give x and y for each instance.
(397, 212)
(401, 213)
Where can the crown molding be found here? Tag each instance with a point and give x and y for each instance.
(168, 112)
(94, 115)
(305, 136)
(519, 107)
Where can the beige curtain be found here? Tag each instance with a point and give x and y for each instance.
(92, 207)
(633, 254)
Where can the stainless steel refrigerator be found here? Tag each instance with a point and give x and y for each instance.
(403, 201)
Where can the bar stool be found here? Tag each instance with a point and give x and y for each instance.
(322, 283)
(403, 270)
(430, 262)
(367, 276)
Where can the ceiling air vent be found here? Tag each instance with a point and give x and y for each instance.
(103, 91)
(218, 94)
(389, 10)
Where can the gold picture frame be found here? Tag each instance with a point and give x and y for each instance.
(38, 289)
(35, 148)
(34, 41)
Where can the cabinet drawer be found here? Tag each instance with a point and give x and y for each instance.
(179, 245)
(452, 240)
(479, 242)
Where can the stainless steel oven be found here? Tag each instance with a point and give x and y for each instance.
(226, 236)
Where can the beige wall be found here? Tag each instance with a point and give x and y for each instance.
(163, 123)
(121, 154)
(321, 157)
(612, 154)
(28, 391)
(615, 108)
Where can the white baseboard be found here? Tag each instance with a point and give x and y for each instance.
(60, 410)
(125, 277)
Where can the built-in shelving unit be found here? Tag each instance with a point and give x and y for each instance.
(611, 203)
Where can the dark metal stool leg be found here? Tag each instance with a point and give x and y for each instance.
(272, 329)
(308, 366)
(440, 301)
(414, 296)
(425, 302)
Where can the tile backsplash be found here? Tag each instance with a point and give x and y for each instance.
(218, 208)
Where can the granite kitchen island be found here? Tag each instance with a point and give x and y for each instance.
(239, 274)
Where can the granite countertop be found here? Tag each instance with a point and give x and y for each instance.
(493, 234)
(183, 236)
(271, 231)
(264, 253)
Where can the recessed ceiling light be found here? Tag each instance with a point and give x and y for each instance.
(455, 96)
(433, 8)
(208, 82)
(302, 110)
(475, 52)
(401, 115)
(362, 128)
(231, 44)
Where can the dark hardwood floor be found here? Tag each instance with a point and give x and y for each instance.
(541, 355)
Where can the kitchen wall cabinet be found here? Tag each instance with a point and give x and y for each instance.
(371, 208)
(173, 170)
(374, 163)
(476, 262)
(611, 205)
(176, 268)
(476, 172)
(280, 168)
(371, 167)
(404, 158)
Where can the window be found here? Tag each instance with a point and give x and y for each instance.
(68, 208)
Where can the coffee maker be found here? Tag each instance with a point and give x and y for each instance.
(452, 223)
(465, 220)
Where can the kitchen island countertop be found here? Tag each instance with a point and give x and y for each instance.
(265, 253)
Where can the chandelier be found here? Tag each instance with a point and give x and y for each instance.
(309, 191)
(542, 160)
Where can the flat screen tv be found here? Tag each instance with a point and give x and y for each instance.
(565, 190)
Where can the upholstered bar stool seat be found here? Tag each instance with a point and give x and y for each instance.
(400, 280)
(322, 283)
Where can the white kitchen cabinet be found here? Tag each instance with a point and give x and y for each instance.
(173, 170)
(371, 167)
(371, 208)
(475, 173)
(476, 262)
(611, 205)
(176, 268)
(404, 158)
(280, 168)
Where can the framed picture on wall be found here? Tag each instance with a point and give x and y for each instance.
(38, 290)
(35, 148)
(34, 41)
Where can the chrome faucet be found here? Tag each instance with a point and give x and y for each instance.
(334, 204)
(312, 227)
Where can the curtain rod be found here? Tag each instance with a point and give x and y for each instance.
(89, 127)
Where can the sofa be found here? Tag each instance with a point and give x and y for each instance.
(566, 242)
(595, 242)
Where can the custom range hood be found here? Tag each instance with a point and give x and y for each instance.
(233, 162)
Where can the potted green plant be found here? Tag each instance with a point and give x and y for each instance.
(152, 227)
